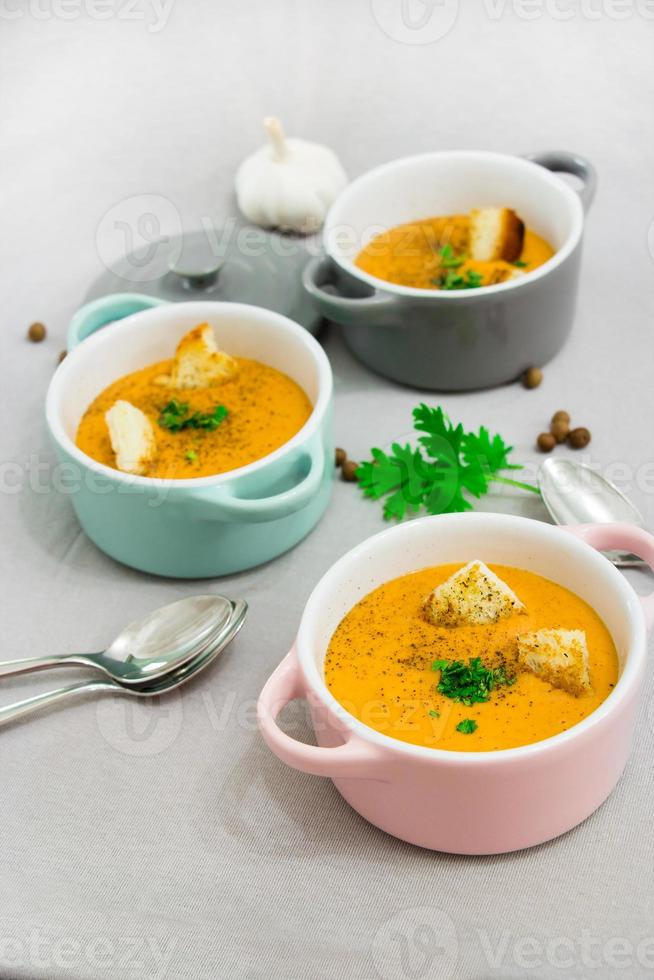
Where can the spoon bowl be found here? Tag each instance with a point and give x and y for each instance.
(151, 647)
(161, 685)
(575, 493)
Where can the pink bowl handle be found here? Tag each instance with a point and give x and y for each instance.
(354, 758)
(621, 537)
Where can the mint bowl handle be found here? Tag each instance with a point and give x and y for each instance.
(100, 312)
(222, 505)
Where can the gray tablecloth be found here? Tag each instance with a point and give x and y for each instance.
(166, 841)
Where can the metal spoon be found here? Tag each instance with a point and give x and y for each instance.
(149, 690)
(149, 648)
(574, 493)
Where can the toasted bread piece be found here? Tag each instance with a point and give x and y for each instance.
(472, 596)
(132, 437)
(559, 657)
(198, 362)
(495, 233)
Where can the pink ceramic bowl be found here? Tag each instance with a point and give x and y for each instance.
(477, 802)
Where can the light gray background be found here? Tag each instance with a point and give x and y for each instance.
(151, 841)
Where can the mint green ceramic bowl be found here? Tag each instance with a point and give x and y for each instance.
(208, 526)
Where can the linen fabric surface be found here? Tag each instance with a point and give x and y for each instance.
(165, 840)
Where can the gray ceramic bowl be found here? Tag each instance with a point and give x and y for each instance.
(452, 341)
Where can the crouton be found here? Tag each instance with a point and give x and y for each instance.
(198, 362)
(495, 233)
(557, 656)
(132, 437)
(472, 596)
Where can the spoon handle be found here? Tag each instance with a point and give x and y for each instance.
(9, 667)
(13, 711)
(622, 559)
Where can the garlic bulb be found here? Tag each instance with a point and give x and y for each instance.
(289, 183)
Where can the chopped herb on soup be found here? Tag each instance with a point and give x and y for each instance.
(176, 416)
(201, 413)
(439, 644)
(467, 726)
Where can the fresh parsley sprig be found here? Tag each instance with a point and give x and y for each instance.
(467, 727)
(439, 475)
(455, 280)
(469, 683)
(175, 417)
(449, 258)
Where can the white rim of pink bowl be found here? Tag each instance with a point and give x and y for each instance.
(336, 219)
(635, 660)
(111, 334)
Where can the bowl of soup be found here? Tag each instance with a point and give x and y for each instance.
(469, 735)
(220, 476)
(455, 270)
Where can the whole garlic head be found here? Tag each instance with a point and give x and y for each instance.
(289, 183)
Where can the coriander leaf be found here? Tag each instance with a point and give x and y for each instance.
(454, 280)
(442, 439)
(446, 467)
(175, 417)
(491, 454)
(449, 260)
(474, 479)
(172, 415)
(471, 683)
(467, 726)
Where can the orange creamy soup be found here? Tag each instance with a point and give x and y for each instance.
(265, 409)
(435, 254)
(379, 665)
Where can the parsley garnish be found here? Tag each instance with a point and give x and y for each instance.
(454, 280)
(191, 455)
(447, 463)
(449, 260)
(175, 417)
(467, 726)
(434, 714)
(471, 684)
(519, 264)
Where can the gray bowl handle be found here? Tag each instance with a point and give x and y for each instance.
(343, 309)
(562, 162)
